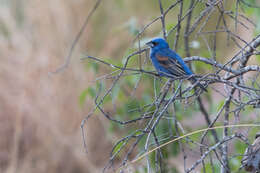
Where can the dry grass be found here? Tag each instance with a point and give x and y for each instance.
(40, 114)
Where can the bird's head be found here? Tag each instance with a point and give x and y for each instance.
(157, 43)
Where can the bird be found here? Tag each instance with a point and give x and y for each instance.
(168, 63)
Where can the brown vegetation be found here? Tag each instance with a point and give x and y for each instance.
(40, 113)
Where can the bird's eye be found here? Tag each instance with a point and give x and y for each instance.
(155, 43)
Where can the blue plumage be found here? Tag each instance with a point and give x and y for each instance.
(167, 62)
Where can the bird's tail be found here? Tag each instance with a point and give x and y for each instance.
(194, 80)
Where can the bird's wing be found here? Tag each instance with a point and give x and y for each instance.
(171, 64)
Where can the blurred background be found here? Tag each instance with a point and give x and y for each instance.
(41, 113)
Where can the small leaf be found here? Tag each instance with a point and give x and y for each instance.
(118, 147)
(91, 91)
(115, 92)
(82, 97)
(208, 167)
(170, 26)
(220, 104)
(94, 66)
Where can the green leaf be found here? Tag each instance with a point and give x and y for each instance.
(118, 147)
(82, 97)
(170, 26)
(129, 106)
(209, 168)
(258, 58)
(91, 91)
(202, 67)
(115, 93)
(220, 104)
(240, 147)
(107, 99)
(235, 163)
(93, 66)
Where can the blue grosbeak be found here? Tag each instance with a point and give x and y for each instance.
(167, 62)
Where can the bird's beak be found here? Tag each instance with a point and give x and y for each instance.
(150, 44)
